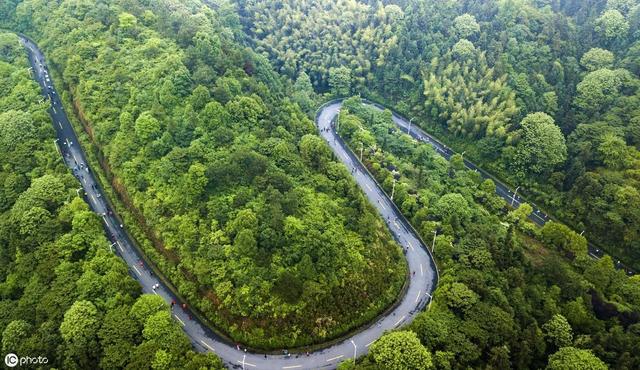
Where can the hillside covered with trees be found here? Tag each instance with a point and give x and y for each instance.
(542, 93)
(250, 217)
(63, 294)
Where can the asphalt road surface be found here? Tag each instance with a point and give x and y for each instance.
(509, 195)
(422, 271)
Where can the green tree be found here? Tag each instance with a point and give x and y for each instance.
(570, 358)
(463, 49)
(558, 331)
(597, 58)
(613, 151)
(79, 330)
(563, 238)
(400, 350)
(612, 25)
(14, 335)
(542, 146)
(466, 26)
(147, 127)
(314, 151)
(340, 81)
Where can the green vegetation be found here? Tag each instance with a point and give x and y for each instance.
(503, 300)
(63, 294)
(473, 73)
(251, 218)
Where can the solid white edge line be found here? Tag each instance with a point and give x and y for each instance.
(292, 367)
(370, 343)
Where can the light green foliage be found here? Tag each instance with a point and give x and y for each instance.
(466, 97)
(340, 81)
(563, 238)
(542, 146)
(613, 151)
(400, 350)
(466, 25)
(597, 58)
(558, 331)
(570, 358)
(599, 89)
(458, 296)
(612, 25)
(463, 50)
(147, 127)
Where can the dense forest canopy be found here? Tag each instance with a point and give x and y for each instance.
(201, 115)
(480, 74)
(63, 294)
(251, 218)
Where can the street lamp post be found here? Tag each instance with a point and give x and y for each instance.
(433, 244)
(513, 198)
(393, 188)
(355, 350)
(78, 191)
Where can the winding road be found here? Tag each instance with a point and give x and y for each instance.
(422, 277)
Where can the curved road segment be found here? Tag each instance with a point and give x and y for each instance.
(422, 275)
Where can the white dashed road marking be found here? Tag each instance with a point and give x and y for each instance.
(335, 358)
(177, 318)
(399, 321)
(206, 345)
(418, 297)
(138, 271)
